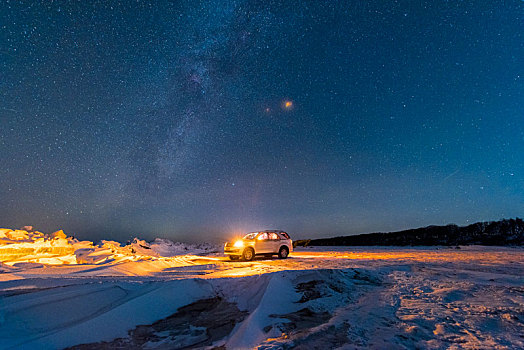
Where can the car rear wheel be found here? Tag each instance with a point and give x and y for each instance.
(248, 254)
(283, 252)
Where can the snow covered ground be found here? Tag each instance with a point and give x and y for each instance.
(57, 292)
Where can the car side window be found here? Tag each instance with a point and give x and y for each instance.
(285, 235)
(273, 236)
(262, 236)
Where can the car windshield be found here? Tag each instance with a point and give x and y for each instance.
(250, 235)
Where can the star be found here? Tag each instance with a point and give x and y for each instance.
(287, 105)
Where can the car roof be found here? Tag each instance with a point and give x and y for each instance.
(269, 231)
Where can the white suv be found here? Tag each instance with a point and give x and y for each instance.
(265, 243)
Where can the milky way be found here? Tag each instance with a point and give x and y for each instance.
(196, 119)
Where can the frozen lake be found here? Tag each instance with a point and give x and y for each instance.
(330, 297)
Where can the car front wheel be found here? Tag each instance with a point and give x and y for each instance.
(248, 254)
(283, 252)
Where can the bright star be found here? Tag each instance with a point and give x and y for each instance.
(287, 104)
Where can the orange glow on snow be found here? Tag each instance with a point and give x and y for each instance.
(54, 255)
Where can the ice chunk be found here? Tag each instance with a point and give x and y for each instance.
(17, 235)
(58, 234)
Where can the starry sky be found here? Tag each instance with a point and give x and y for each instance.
(194, 120)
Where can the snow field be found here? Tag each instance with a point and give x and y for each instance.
(58, 292)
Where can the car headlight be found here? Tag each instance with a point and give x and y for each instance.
(238, 244)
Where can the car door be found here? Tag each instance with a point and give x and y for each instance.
(263, 245)
(275, 242)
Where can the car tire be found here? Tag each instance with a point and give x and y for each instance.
(234, 257)
(283, 252)
(248, 254)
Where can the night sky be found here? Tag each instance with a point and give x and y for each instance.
(193, 120)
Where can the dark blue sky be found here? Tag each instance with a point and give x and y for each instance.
(167, 119)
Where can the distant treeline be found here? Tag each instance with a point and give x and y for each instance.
(502, 233)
